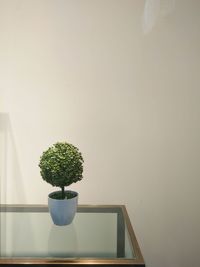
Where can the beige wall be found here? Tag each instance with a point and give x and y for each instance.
(119, 79)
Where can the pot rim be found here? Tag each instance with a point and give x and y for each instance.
(71, 191)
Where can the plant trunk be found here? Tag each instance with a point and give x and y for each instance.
(63, 192)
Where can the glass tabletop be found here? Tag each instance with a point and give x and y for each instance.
(97, 232)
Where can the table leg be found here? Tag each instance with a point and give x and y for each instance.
(120, 235)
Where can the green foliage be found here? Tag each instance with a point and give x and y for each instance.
(61, 165)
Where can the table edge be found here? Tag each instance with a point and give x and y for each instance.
(139, 260)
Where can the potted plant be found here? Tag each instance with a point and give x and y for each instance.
(61, 165)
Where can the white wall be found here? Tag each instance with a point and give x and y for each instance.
(125, 90)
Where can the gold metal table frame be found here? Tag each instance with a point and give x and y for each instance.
(122, 220)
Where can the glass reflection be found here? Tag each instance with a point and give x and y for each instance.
(62, 241)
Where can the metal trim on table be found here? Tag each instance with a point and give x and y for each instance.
(122, 219)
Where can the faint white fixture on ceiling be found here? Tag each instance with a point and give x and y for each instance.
(153, 9)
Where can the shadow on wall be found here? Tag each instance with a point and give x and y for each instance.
(11, 185)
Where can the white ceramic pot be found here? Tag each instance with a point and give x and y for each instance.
(63, 210)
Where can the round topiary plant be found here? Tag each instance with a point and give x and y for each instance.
(61, 165)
